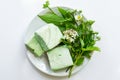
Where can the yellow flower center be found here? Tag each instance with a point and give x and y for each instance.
(79, 17)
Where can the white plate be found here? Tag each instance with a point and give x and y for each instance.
(41, 63)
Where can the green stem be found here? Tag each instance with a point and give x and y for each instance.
(51, 10)
(71, 69)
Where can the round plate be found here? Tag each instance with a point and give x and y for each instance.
(41, 63)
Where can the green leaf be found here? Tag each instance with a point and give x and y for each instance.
(87, 54)
(67, 13)
(91, 48)
(80, 61)
(70, 25)
(82, 42)
(52, 18)
(62, 11)
(46, 5)
(91, 22)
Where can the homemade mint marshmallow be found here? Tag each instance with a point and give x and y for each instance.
(59, 58)
(34, 47)
(50, 36)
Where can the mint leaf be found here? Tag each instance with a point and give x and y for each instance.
(91, 48)
(80, 61)
(88, 54)
(52, 18)
(82, 42)
(62, 11)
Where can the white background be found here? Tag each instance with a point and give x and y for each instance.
(15, 15)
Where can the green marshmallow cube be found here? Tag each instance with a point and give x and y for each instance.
(48, 36)
(34, 47)
(59, 58)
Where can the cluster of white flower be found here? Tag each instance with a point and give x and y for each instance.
(70, 35)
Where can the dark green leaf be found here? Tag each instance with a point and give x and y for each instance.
(80, 61)
(87, 54)
(70, 25)
(62, 11)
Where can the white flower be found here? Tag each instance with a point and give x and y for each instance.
(78, 17)
(70, 35)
